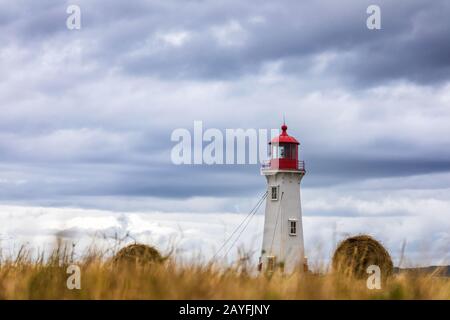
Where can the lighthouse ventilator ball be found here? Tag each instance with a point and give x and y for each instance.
(355, 254)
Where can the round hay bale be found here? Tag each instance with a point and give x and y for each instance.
(138, 254)
(355, 254)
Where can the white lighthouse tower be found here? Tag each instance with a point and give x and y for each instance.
(283, 232)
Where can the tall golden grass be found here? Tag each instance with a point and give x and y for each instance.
(23, 277)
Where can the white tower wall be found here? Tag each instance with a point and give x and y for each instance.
(279, 243)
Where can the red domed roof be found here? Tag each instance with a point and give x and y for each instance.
(284, 137)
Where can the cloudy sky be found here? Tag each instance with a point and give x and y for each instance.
(87, 116)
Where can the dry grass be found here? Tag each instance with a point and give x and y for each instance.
(24, 278)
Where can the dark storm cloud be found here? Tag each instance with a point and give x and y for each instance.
(228, 39)
(324, 171)
(129, 176)
(413, 43)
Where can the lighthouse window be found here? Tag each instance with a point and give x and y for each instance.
(292, 227)
(274, 193)
(288, 151)
(281, 152)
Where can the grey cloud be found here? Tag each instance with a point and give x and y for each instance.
(413, 44)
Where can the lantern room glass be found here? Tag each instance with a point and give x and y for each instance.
(284, 151)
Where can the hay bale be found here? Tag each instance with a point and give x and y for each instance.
(138, 254)
(355, 254)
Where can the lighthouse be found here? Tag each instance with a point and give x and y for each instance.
(283, 232)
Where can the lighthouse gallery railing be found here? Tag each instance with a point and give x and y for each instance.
(265, 165)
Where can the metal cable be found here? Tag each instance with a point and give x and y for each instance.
(256, 207)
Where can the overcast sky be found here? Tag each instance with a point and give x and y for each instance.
(87, 115)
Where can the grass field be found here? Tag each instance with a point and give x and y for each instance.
(24, 278)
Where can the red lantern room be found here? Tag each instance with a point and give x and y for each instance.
(284, 153)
